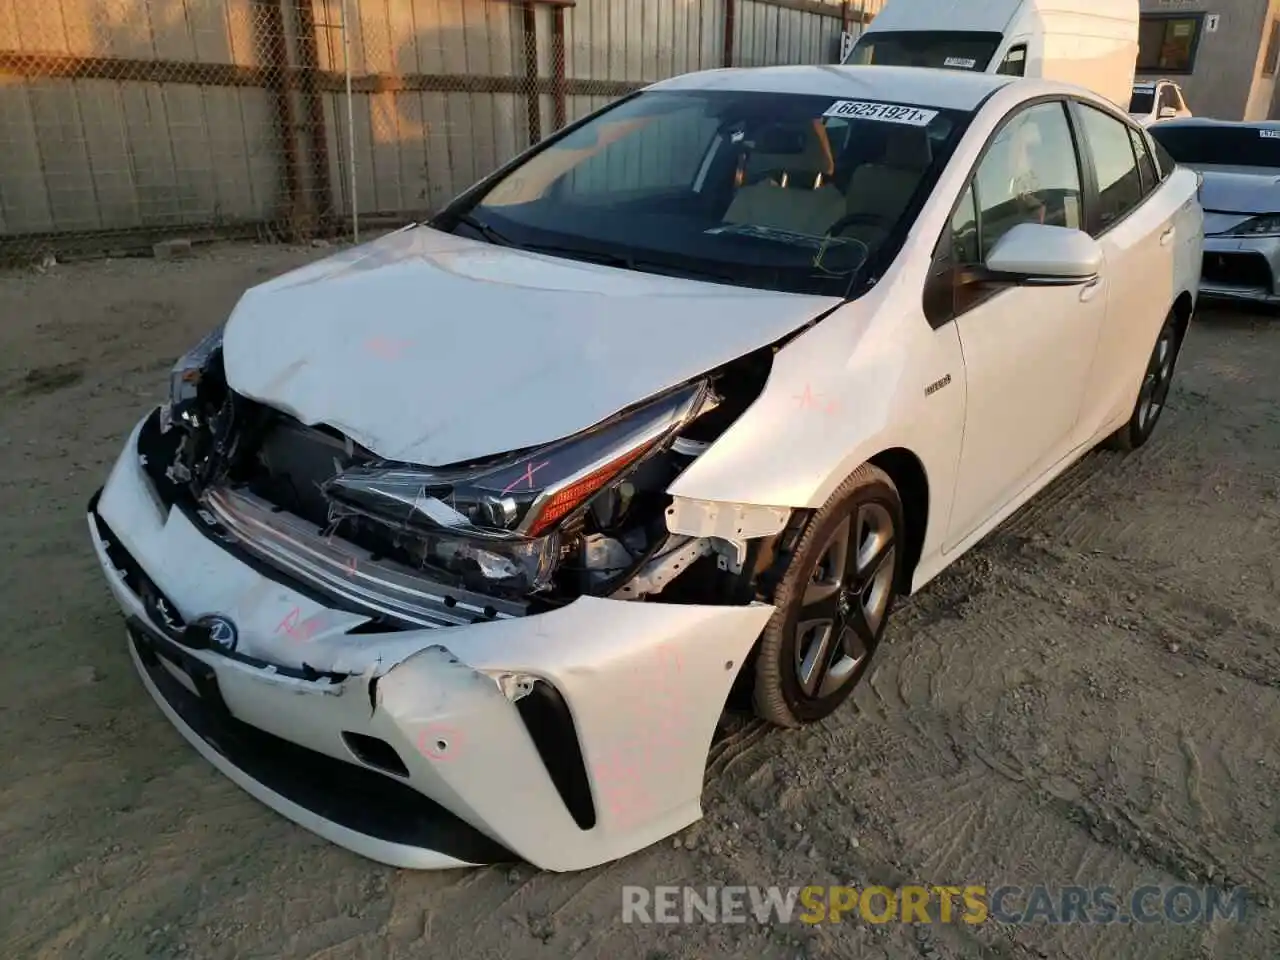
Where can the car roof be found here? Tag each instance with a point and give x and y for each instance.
(944, 89)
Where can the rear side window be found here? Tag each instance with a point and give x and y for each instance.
(1164, 161)
(1119, 180)
(1146, 166)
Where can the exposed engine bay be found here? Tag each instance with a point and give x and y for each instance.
(509, 535)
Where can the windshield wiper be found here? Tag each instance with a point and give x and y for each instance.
(489, 233)
(686, 273)
(576, 253)
(602, 257)
(631, 263)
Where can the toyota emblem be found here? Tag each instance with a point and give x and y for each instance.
(222, 632)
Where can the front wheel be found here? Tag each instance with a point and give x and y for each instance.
(1153, 394)
(832, 603)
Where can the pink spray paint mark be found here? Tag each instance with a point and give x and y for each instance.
(387, 349)
(300, 632)
(813, 401)
(657, 723)
(527, 476)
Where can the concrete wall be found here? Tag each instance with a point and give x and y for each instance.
(1262, 93)
(1224, 82)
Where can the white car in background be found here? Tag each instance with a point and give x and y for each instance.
(452, 547)
(1154, 101)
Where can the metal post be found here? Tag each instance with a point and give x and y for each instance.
(351, 127)
(730, 18)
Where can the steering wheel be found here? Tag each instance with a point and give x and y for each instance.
(880, 220)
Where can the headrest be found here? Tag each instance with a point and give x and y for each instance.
(908, 147)
(799, 148)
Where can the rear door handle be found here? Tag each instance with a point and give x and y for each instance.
(1167, 236)
(1090, 289)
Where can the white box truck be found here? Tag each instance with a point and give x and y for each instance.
(1092, 43)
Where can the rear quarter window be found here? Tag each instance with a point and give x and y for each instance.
(1164, 162)
(1151, 177)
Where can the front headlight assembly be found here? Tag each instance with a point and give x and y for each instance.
(497, 523)
(186, 378)
(1266, 225)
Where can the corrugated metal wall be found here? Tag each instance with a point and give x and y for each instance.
(93, 152)
(141, 115)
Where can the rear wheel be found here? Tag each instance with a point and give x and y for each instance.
(832, 603)
(1153, 394)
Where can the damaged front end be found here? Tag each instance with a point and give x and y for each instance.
(418, 545)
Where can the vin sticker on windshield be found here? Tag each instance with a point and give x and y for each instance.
(964, 63)
(1269, 134)
(884, 112)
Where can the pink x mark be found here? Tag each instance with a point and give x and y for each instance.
(811, 401)
(386, 349)
(529, 471)
(301, 632)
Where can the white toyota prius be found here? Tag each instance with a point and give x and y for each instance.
(455, 546)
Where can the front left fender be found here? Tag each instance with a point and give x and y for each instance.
(866, 379)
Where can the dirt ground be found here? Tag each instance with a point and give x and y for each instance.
(1091, 697)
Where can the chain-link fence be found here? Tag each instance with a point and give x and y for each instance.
(123, 122)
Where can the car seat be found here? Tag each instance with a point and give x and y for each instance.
(881, 189)
(786, 182)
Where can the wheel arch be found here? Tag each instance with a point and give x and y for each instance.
(1183, 307)
(910, 477)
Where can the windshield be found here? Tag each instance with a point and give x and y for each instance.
(952, 50)
(781, 191)
(1220, 144)
(1142, 102)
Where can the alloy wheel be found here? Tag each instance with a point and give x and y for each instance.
(845, 601)
(1158, 378)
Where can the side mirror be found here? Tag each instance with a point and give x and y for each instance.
(1036, 253)
(1168, 113)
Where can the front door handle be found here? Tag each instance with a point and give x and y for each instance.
(1090, 289)
(1167, 236)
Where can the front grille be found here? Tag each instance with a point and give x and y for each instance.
(1237, 270)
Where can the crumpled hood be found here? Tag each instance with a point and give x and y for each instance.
(1240, 190)
(434, 349)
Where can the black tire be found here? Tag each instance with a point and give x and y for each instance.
(845, 570)
(1153, 393)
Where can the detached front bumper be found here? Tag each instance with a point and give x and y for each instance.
(1241, 269)
(566, 739)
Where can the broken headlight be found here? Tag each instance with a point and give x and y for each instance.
(496, 524)
(185, 379)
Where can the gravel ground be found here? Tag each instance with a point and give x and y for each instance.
(1088, 698)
